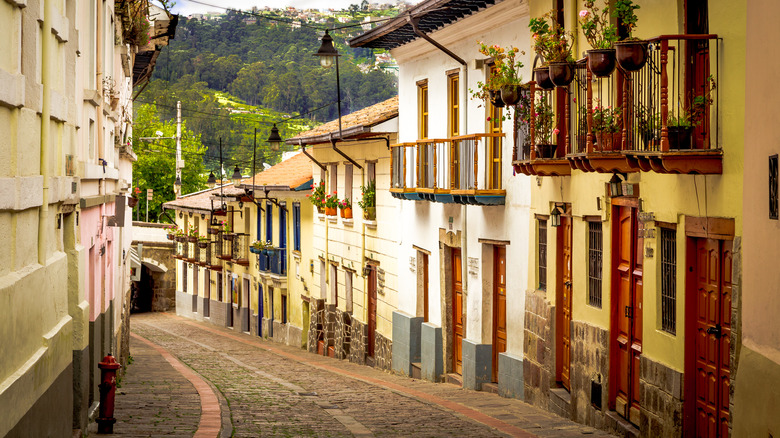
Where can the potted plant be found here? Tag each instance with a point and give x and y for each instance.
(331, 203)
(203, 242)
(680, 127)
(171, 234)
(601, 35)
(648, 123)
(631, 53)
(345, 206)
(368, 200)
(180, 235)
(192, 234)
(606, 127)
(506, 77)
(544, 121)
(317, 196)
(256, 247)
(226, 232)
(553, 43)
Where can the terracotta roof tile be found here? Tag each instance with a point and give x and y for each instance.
(195, 201)
(365, 117)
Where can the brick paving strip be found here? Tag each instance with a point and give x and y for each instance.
(210, 418)
(453, 406)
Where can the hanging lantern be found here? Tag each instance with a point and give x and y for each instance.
(327, 52)
(275, 140)
(555, 216)
(212, 181)
(615, 186)
(236, 177)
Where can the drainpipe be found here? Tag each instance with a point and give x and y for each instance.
(46, 46)
(464, 113)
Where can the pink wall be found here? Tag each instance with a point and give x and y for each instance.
(98, 238)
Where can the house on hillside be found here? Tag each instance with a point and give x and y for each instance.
(243, 253)
(354, 268)
(464, 216)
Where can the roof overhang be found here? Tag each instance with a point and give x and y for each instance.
(433, 15)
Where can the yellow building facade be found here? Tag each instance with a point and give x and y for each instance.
(635, 255)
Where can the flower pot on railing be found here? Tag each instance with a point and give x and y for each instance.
(546, 150)
(254, 250)
(171, 236)
(330, 211)
(631, 55)
(542, 75)
(495, 99)
(321, 210)
(679, 137)
(369, 213)
(192, 239)
(181, 239)
(203, 244)
(228, 236)
(602, 62)
(608, 141)
(561, 73)
(510, 94)
(212, 230)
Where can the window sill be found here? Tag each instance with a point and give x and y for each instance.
(369, 224)
(348, 222)
(333, 219)
(321, 216)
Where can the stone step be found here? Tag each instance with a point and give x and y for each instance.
(490, 387)
(416, 370)
(455, 379)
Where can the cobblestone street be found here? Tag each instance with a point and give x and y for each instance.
(266, 389)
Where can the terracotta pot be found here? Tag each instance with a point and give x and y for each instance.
(369, 213)
(203, 245)
(602, 62)
(228, 236)
(546, 150)
(132, 201)
(192, 239)
(631, 55)
(320, 210)
(171, 236)
(608, 141)
(495, 99)
(561, 73)
(680, 137)
(346, 213)
(213, 230)
(510, 94)
(330, 211)
(542, 75)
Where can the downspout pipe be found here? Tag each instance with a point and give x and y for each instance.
(303, 149)
(464, 105)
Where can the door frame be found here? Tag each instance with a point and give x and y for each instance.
(496, 308)
(372, 286)
(559, 287)
(721, 229)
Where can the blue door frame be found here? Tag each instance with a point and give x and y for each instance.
(260, 311)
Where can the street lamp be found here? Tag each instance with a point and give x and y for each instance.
(328, 56)
(275, 140)
(236, 177)
(177, 183)
(212, 181)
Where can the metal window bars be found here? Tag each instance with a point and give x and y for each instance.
(668, 280)
(595, 242)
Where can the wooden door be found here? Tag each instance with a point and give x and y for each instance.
(372, 286)
(457, 312)
(207, 295)
(424, 263)
(563, 313)
(499, 305)
(260, 310)
(627, 312)
(713, 337)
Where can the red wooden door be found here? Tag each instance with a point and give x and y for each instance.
(457, 312)
(499, 305)
(563, 314)
(627, 312)
(713, 337)
(372, 285)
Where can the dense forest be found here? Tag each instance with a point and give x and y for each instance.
(234, 76)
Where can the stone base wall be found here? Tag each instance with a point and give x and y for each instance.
(295, 336)
(589, 363)
(253, 325)
(431, 353)
(52, 413)
(316, 323)
(538, 357)
(477, 364)
(343, 334)
(329, 326)
(510, 376)
(383, 352)
(184, 304)
(407, 336)
(219, 313)
(357, 349)
(280, 332)
(660, 399)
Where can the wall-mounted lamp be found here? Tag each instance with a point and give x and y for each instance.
(555, 216)
(203, 215)
(181, 215)
(615, 186)
(366, 270)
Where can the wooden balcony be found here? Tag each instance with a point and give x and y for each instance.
(649, 102)
(463, 170)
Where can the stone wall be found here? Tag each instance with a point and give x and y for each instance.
(280, 332)
(383, 352)
(343, 334)
(538, 353)
(589, 363)
(163, 283)
(357, 350)
(316, 323)
(218, 313)
(660, 399)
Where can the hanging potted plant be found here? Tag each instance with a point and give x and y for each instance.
(203, 242)
(317, 197)
(505, 79)
(601, 35)
(544, 120)
(171, 234)
(180, 235)
(226, 232)
(368, 201)
(631, 53)
(606, 128)
(256, 247)
(345, 206)
(192, 235)
(331, 203)
(541, 41)
(553, 43)
(680, 127)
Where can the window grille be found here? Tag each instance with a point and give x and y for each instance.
(594, 263)
(668, 281)
(542, 262)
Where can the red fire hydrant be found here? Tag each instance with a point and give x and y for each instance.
(107, 388)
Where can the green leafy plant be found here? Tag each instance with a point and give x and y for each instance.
(193, 232)
(332, 201)
(544, 122)
(606, 119)
(551, 42)
(693, 115)
(624, 11)
(225, 226)
(317, 196)
(368, 195)
(345, 203)
(506, 71)
(598, 31)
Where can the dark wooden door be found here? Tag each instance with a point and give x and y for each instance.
(372, 285)
(457, 312)
(425, 286)
(499, 305)
(713, 337)
(563, 314)
(627, 311)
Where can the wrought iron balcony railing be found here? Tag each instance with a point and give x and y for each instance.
(240, 253)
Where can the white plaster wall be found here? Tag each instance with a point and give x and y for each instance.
(420, 221)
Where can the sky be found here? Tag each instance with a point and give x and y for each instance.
(186, 7)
